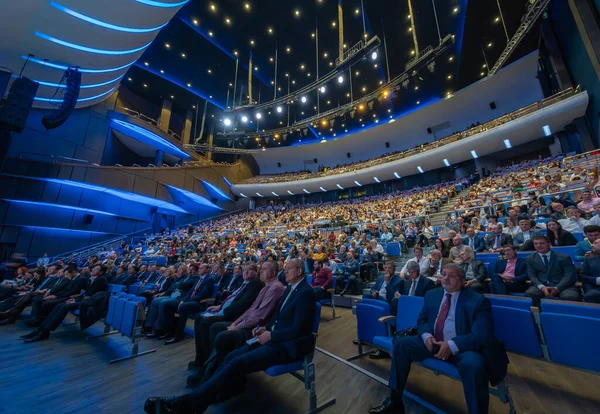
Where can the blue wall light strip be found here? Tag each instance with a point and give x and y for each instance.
(82, 70)
(162, 3)
(90, 49)
(46, 205)
(194, 197)
(53, 100)
(62, 85)
(216, 190)
(58, 230)
(104, 24)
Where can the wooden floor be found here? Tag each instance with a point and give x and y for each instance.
(69, 374)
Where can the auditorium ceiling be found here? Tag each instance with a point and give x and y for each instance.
(193, 58)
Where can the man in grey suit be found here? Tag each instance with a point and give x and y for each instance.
(526, 234)
(495, 241)
(552, 274)
(590, 273)
(475, 271)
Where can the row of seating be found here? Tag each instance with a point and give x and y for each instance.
(126, 315)
(559, 332)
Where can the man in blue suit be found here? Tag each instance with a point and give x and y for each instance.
(590, 273)
(583, 248)
(386, 284)
(413, 285)
(288, 339)
(456, 326)
(474, 241)
(510, 273)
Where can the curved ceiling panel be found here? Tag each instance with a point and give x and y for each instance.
(103, 38)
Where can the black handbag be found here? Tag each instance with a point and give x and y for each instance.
(403, 334)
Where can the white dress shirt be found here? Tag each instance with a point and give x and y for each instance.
(573, 226)
(423, 263)
(450, 324)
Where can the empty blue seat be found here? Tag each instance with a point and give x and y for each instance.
(569, 251)
(161, 261)
(508, 320)
(134, 289)
(393, 249)
(331, 299)
(368, 312)
(407, 315)
(588, 310)
(307, 365)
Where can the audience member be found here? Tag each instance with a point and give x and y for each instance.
(510, 274)
(590, 273)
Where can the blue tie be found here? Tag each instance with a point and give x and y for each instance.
(546, 261)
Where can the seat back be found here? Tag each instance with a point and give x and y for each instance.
(110, 314)
(568, 250)
(507, 321)
(333, 282)
(118, 313)
(317, 320)
(571, 339)
(309, 279)
(393, 249)
(367, 314)
(407, 315)
(134, 289)
(588, 310)
(510, 302)
(129, 318)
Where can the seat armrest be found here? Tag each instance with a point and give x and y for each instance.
(330, 290)
(141, 312)
(387, 319)
(209, 300)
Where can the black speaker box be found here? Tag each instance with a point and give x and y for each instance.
(492, 105)
(349, 155)
(60, 116)
(316, 160)
(88, 218)
(387, 144)
(429, 131)
(279, 164)
(15, 111)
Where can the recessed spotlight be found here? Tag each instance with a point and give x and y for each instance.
(145, 86)
(210, 34)
(247, 6)
(374, 55)
(183, 55)
(333, 24)
(129, 79)
(195, 21)
(209, 71)
(258, 115)
(490, 44)
(189, 85)
(340, 79)
(252, 42)
(279, 109)
(297, 12)
(322, 89)
(357, 73)
(357, 11)
(162, 71)
(172, 96)
(455, 10)
(497, 19)
(288, 49)
(235, 52)
(227, 121)
(451, 58)
(146, 63)
(213, 7)
(167, 45)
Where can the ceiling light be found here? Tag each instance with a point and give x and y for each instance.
(322, 89)
(451, 58)
(340, 187)
(172, 96)
(129, 79)
(247, 6)
(270, 30)
(507, 143)
(209, 71)
(449, 77)
(146, 63)
(244, 119)
(297, 12)
(374, 55)
(213, 7)
(482, 73)
(145, 86)
(418, 102)
(357, 73)
(168, 46)
(290, 193)
(490, 44)
(306, 191)
(446, 162)
(258, 115)
(322, 189)
(162, 71)
(227, 121)
(410, 29)
(279, 109)
(302, 67)
(189, 85)
(183, 55)
(332, 24)
(312, 35)
(340, 79)
(357, 11)
(288, 49)
(547, 130)
(364, 89)
(357, 183)
(497, 19)
(412, 52)
(195, 21)
(408, 17)
(484, 65)
(420, 169)
(252, 42)
(256, 68)
(474, 154)
(397, 175)
(308, 74)
(325, 55)
(376, 179)
(210, 34)
(455, 10)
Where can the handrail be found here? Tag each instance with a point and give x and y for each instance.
(444, 141)
(53, 157)
(595, 153)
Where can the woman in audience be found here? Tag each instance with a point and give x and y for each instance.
(510, 227)
(426, 233)
(441, 246)
(558, 236)
(463, 231)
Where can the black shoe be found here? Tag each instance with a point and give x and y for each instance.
(154, 335)
(33, 323)
(42, 336)
(355, 342)
(173, 340)
(166, 405)
(30, 334)
(163, 336)
(194, 380)
(379, 355)
(8, 321)
(194, 366)
(388, 407)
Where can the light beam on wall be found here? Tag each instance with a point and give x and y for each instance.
(62, 206)
(82, 70)
(90, 49)
(216, 190)
(150, 138)
(194, 197)
(155, 3)
(106, 25)
(89, 98)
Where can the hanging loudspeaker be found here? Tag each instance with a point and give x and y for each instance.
(15, 111)
(60, 116)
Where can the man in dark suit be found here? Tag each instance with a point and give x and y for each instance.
(126, 279)
(188, 306)
(386, 284)
(288, 339)
(495, 241)
(552, 274)
(590, 273)
(413, 285)
(151, 276)
(526, 234)
(97, 283)
(474, 241)
(234, 283)
(230, 310)
(161, 285)
(510, 273)
(475, 270)
(456, 326)
(41, 307)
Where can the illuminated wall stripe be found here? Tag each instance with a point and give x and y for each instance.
(62, 85)
(45, 205)
(104, 24)
(162, 4)
(62, 67)
(90, 49)
(53, 100)
(154, 139)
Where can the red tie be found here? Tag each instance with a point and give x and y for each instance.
(197, 287)
(438, 332)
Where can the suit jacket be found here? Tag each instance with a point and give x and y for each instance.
(224, 281)
(391, 288)
(581, 248)
(125, 279)
(518, 240)
(520, 269)
(243, 300)
(281, 278)
(490, 240)
(431, 271)
(182, 285)
(590, 270)
(479, 270)
(478, 243)
(235, 281)
(165, 286)
(204, 291)
(98, 285)
(560, 272)
(474, 328)
(58, 286)
(293, 325)
(93, 309)
(73, 287)
(423, 286)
